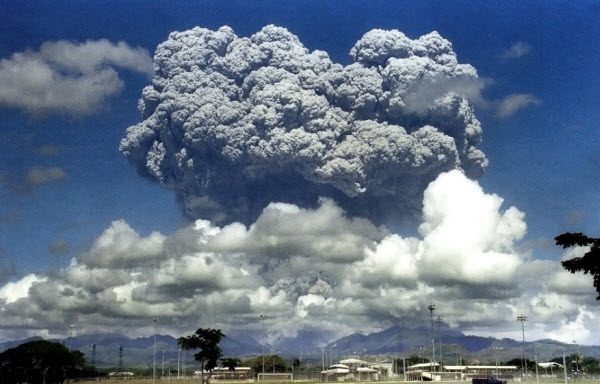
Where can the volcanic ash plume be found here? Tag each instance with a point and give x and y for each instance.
(233, 123)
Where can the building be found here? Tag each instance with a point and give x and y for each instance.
(385, 368)
(468, 372)
(120, 375)
(238, 373)
(423, 372)
(550, 365)
(350, 370)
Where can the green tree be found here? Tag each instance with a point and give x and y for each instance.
(207, 342)
(256, 363)
(230, 363)
(296, 363)
(42, 361)
(398, 364)
(589, 262)
(590, 364)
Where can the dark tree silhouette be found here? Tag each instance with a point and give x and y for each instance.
(589, 262)
(42, 361)
(230, 363)
(207, 341)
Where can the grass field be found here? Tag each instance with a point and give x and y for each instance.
(197, 381)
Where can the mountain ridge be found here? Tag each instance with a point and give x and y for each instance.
(393, 341)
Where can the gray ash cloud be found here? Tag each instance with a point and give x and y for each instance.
(232, 123)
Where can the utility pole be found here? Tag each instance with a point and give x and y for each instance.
(179, 363)
(522, 319)
(431, 308)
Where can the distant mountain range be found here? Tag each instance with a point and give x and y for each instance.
(394, 341)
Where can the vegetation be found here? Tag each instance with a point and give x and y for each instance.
(589, 262)
(590, 365)
(42, 361)
(207, 342)
(398, 366)
(270, 361)
(230, 363)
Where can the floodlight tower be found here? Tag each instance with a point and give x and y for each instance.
(120, 358)
(155, 322)
(576, 362)
(431, 308)
(522, 319)
(439, 322)
(71, 330)
(496, 349)
(262, 320)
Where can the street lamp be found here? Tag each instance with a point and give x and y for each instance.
(522, 319)
(431, 308)
(155, 322)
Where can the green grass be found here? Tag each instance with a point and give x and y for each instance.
(197, 381)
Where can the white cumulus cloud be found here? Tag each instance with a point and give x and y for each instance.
(68, 78)
(307, 266)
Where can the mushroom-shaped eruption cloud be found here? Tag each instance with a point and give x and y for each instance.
(231, 124)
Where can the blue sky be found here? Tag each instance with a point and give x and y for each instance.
(542, 155)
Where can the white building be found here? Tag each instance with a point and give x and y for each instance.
(350, 370)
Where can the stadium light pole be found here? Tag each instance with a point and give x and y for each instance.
(537, 378)
(522, 319)
(496, 349)
(431, 308)
(262, 320)
(439, 322)
(564, 366)
(71, 329)
(155, 322)
(575, 361)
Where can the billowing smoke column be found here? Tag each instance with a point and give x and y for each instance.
(233, 123)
